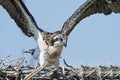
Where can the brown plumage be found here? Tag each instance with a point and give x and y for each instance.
(90, 7)
(51, 44)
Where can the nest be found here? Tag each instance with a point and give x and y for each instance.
(66, 72)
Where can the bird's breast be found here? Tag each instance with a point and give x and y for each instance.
(54, 53)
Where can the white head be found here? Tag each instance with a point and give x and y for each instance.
(60, 40)
(56, 39)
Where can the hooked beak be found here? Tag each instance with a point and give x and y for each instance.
(65, 42)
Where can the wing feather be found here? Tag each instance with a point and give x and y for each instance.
(90, 7)
(23, 18)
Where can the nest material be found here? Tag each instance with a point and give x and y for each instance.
(66, 72)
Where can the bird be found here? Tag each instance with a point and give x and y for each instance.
(50, 44)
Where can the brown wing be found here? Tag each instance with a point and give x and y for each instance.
(23, 18)
(90, 7)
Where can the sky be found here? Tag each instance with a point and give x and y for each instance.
(95, 40)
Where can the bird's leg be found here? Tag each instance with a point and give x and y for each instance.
(56, 65)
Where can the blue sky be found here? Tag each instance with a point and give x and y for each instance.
(95, 40)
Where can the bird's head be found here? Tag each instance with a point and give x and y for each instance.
(60, 40)
(57, 39)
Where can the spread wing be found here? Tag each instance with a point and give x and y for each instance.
(23, 18)
(90, 7)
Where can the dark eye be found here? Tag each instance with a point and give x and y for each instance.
(61, 39)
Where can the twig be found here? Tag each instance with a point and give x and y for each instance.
(67, 64)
